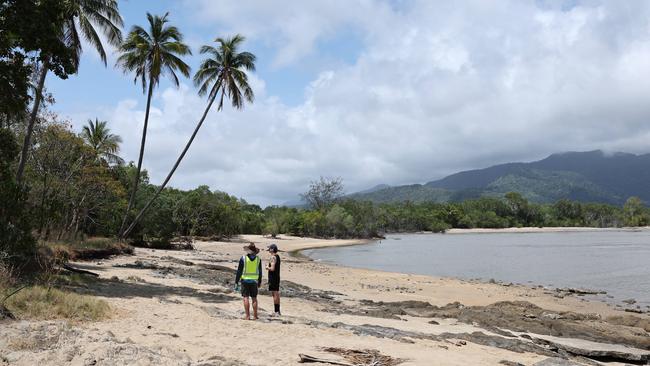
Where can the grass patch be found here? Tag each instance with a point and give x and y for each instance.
(46, 302)
(38, 302)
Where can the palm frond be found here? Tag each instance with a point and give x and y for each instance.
(90, 16)
(92, 37)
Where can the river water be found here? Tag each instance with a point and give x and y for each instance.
(614, 261)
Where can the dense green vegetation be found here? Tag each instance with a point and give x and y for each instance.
(353, 218)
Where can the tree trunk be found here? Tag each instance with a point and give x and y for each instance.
(68, 228)
(32, 120)
(136, 181)
(43, 196)
(171, 173)
(75, 233)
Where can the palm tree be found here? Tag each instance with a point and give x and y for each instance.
(82, 19)
(104, 144)
(150, 55)
(221, 75)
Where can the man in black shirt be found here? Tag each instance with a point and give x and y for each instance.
(274, 277)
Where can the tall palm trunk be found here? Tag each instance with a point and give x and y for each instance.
(136, 181)
(171, 173)
(32, 120)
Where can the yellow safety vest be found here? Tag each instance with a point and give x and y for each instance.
(251, 269)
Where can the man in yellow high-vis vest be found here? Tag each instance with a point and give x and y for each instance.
(249, 272)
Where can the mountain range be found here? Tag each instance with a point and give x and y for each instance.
(592, 176)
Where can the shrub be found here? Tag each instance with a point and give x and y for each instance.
(438, 226)
(15, 229)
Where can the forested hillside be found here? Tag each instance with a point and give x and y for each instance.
(582, 176)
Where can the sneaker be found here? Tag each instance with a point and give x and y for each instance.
(277, 313)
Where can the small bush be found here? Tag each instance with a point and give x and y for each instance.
(16, 241)
(37, 302)
(438, 226)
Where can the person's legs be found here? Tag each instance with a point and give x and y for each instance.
(247, 307)
(276, 300)
(253, 294)
(255, 308)
(246, 293)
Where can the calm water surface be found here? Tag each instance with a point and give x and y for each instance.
(614, 261)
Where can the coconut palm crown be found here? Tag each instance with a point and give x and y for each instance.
(224, 72)
(104, 144)
(155, 53)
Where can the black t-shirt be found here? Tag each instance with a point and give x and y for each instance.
(274, 276)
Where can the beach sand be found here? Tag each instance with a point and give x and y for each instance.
(177, 308)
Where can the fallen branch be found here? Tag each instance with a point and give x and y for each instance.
(367, 357)
(4, 312)
(12, 294)
(77, 270)
(307, 359)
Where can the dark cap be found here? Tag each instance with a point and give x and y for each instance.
(273, 248)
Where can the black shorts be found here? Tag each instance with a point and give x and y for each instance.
(249, 289)
(274, 285)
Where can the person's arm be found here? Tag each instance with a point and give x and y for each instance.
(240, 270)
(259, 269)
(272, 264)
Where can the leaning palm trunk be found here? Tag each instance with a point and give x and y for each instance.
(32, 120)
(136, 180)
(171, 173)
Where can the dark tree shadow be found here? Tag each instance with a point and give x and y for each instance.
(130, 290)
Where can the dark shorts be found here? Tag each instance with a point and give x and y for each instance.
(249, 289)
(274, 285)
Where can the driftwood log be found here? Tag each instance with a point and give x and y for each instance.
(77, 270)
(309, 359)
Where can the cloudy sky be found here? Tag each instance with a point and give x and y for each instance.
(394, 92)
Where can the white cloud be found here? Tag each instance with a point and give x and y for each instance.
(293, 27)
(438, 87)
